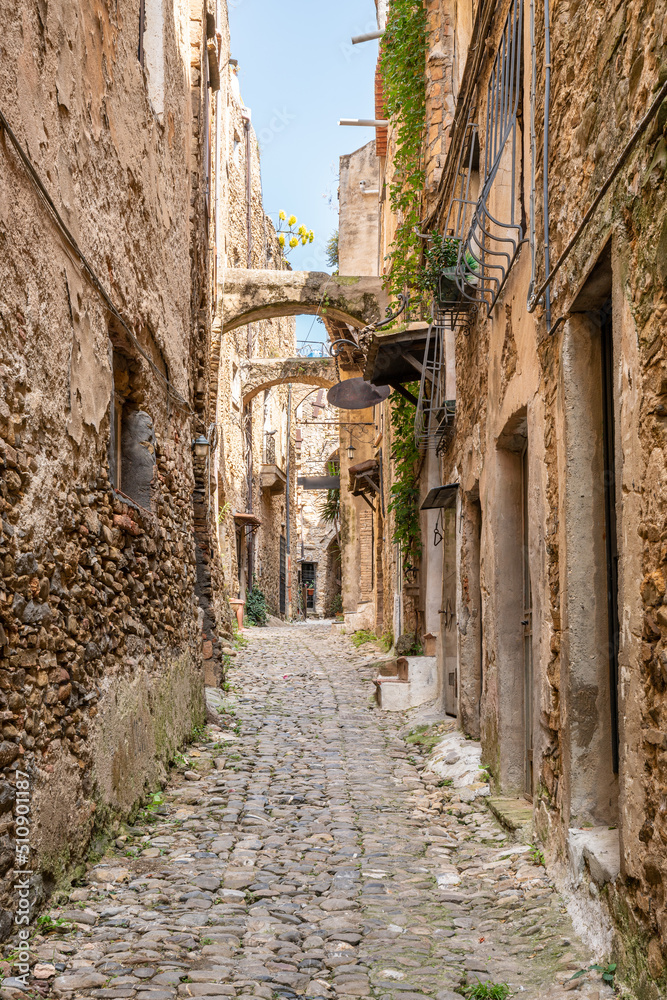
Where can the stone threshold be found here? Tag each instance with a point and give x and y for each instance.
(514, 815)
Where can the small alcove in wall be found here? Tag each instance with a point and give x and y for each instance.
(132, 437)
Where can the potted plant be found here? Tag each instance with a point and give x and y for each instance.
(442, 272)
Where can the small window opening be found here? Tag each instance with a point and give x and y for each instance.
(308, 580)
(132, 437)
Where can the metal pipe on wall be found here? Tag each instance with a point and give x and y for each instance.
(250, 541)
(248, 183)
(533, 149)
(545, 167)
(287, 502)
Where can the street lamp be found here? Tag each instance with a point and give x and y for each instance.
(350, 452)
(201, 446)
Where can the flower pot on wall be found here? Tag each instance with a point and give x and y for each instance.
(448, 289)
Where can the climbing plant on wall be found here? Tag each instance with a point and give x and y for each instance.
(404, 493)
(402, 65)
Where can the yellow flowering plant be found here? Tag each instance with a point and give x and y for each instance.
(289, 235)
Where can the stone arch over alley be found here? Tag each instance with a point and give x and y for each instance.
(264, 373)
(252, 295)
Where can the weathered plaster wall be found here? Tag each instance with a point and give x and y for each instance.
(358, 196)
(94, 588)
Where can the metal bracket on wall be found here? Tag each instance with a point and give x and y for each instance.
(438, 535)
(449, 614)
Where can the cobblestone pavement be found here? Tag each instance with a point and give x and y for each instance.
(314, 860)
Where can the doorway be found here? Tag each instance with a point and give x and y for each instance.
(448, 616)
(379, 577)
(470, 625)
(611, 541)
(527, 627)
(591, 634)
(308, 579)
(511, 657)
(283, 575)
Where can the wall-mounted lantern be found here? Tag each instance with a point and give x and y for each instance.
(350, 452)
(201, 446)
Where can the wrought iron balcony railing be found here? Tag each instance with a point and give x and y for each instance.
(436, 404)
(485, 215)
(269, 448)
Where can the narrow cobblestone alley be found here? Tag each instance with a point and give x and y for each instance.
(309, 857)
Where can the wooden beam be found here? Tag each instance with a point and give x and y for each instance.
(405, 393)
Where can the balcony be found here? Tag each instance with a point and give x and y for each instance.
(436, 404)
(397, 358)
(272, 477)
(485, 213)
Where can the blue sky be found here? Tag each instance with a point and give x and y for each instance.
(299, 74)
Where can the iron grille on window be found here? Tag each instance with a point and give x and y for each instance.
(434, 417)
(269, 448)
(485, 211)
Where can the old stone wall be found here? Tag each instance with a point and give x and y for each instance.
(558, 448)
(318, 455)
(100, 668)
(521, 386)
(242, 425)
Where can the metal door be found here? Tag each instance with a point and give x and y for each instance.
(448, 612)
(527, 626)
(283, 575)
(309, 579)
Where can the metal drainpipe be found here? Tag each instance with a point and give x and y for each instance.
(287, 504)
(248, 182)
(250, 536)
(248, 172)
(533, 149)
(545, 169)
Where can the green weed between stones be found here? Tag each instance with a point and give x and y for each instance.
(47, 925)
(362, 636)
(425, 737)
(486, 991)
(608, 972)
(537, 856)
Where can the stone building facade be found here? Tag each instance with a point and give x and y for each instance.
(248, 495)
(319, 554)
(549, 574)
(105, 309)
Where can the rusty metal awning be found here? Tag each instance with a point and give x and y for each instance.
(440, 497)
(396, 358)
(319, 482)
(247, 520)
(365, 480)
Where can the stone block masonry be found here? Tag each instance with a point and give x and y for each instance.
(100, 679)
